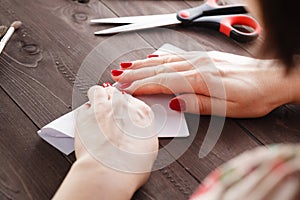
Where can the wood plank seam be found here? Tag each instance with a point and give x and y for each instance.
(249, 133)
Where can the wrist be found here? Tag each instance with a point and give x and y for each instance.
(89, 179)
(286, 87)
(294, 85)
(107, 182)
(290, 84)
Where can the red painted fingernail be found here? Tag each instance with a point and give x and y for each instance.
(177, 104)
(116, 72)
(153, 56)
(106, 84)
(88, 105)
(125, 64)
(124, 85)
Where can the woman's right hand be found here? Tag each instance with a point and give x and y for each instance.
(115, 147)
(211, 83)
(116, 130)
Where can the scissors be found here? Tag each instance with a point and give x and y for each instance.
(209, 14)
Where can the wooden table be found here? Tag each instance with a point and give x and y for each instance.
(38, 69)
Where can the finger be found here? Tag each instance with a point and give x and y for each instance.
(97, 95)
(149, 62)
(128, 76)
(207, 105)
(170, 83)
(200, 104)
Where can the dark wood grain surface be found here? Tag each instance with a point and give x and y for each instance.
(37, 73)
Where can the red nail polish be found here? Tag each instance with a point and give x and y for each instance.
(106, 84)
(177, 104)
(125, 65)
(88, 105)
(116, 72)
(124, 85)
(101, 85)
(153, 56)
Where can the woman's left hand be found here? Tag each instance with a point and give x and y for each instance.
(211, 83)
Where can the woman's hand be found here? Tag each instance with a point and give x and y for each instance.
(113, 158)
(211, 83)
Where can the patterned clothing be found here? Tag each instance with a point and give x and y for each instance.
(260, 174)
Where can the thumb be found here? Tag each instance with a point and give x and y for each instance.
(199, 104)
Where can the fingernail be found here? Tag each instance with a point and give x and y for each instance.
(125, 64)
(177, 104)
(124, 85)
(88, 105)
(153, 56)
(116, 72)
(106, 84)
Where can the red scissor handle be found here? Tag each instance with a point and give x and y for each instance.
(227, 27)
(225, 24)
(222, 18)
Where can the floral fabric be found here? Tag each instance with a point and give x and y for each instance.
(261, 174)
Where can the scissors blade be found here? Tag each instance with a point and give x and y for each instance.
(128, 20)
(167, 20)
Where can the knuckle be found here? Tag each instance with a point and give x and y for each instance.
(167, 59)
(159, 69)
(202, 108)
(161, 79)
(194, 78)
(222, 73)
(163, 82)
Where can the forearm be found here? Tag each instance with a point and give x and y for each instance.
(85, 181)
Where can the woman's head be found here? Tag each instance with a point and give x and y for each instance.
(281, 22)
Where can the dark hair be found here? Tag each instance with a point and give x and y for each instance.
(282, 26)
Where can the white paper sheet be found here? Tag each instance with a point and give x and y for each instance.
(60, 132)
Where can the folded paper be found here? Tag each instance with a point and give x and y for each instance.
(60, 132)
